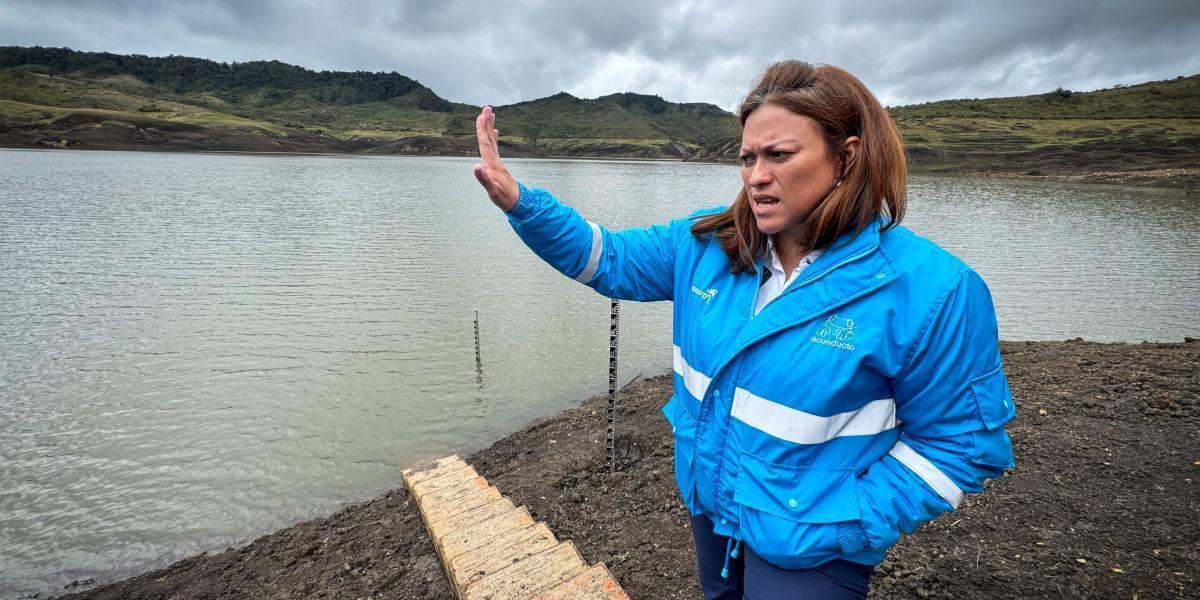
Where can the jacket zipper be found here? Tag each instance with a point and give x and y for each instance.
(754, 299)
(732, 400)
(815, 277)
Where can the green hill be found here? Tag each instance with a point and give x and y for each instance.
(565, 124)
(56, 97)
(1151, 128)
(1127, 133)
(59, 97)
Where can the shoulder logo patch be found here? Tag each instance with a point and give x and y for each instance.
(705, 295)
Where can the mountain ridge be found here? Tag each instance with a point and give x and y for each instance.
(62, 98)
(290, 108)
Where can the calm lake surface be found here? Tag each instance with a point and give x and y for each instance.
(199, 349)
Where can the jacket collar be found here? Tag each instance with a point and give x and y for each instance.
(843, 252)
(851, 267)
(770, 260)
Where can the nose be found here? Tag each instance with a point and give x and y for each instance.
(760, 175)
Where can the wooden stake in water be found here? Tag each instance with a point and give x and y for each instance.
(614, 328)
(478, 360)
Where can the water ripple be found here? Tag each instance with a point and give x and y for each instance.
(199, 349)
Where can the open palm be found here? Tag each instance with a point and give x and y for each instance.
(492, 174)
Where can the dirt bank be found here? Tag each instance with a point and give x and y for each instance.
(1186, 179)
(1142, 164)
(121, 132)
(1104, 501)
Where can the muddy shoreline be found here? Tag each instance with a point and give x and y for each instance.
(1104, 501)
(1162, 175)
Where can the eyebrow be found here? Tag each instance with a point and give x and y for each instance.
(769, 147)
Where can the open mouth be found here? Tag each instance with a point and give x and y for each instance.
(766, 200)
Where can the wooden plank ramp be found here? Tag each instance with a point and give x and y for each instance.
(493, 550)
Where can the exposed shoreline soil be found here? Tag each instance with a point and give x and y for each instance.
(1171, 173)
(1104, 501)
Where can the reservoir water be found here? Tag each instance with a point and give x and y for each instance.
(199, 349)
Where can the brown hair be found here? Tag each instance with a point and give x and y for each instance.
(874, 184)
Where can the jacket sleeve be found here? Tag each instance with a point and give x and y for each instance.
(635, 264)
(952, 401)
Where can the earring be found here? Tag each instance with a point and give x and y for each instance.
(837, 182)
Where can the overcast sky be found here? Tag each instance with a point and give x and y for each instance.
(499, 52)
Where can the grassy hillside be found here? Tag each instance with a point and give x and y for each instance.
(1175, 98)
(563, 118)
(1152, 129)
(59, 97)
(1147, 127)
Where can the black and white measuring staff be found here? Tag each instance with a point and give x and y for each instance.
(613, 329)
(478, 360)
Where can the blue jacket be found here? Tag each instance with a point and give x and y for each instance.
(863, 401)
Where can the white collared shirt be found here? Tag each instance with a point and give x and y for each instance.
(778, 281)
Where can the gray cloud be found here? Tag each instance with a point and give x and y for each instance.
(699, 50)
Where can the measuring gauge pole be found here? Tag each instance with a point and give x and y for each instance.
(614, 328)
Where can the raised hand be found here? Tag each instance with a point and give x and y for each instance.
(492, 174)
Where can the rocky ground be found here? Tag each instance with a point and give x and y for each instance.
(118, 131)
(1104, 501)
(1178, 178)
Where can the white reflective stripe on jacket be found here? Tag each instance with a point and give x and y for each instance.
(860, 403)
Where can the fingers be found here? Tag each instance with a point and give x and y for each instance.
(486, 134)
(481, 175)
(489, 140)
(492, 174)
(492, 181)
(500, 187)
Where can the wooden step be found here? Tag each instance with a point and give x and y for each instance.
(527, 577)
(596, 583)
(468, 568)
(493, 550)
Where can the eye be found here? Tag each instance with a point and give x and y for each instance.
(777, 154)
(747, 159)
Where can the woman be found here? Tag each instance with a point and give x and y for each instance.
(837, 377)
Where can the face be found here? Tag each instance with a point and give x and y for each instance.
(786, 168)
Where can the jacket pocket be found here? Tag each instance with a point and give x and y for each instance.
(993, 399)
(683, 426)
(789, 515)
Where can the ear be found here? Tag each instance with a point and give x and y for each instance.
(849, 153)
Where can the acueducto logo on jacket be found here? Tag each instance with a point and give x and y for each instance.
(705, 295)
(834, 332)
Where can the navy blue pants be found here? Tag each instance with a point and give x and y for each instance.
(752, 578)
